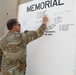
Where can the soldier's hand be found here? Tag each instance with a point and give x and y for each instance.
(45, 19)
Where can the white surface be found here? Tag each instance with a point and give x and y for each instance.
(51, 55)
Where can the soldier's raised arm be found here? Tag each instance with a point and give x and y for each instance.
(29, 36)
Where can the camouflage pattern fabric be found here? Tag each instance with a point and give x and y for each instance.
(13, 46)
(1, 53)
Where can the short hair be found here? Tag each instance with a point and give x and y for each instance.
(11, 23)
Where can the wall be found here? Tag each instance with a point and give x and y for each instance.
(24, 1)
(9, 9)
(51, 54)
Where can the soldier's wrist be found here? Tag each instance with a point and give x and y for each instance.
(44, 23)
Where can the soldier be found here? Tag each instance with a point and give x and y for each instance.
(13, 46)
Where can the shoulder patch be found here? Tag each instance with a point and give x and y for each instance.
(25, 31)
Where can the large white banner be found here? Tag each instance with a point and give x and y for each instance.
(54, 52)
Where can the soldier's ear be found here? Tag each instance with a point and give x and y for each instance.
(14, 27)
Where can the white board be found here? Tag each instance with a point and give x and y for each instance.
(54, 52)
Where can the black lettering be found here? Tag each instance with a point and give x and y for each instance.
(42, 5)
(60, 3)
(33, 7)
(47, 3)
(51, 3)
(28, 8)
(55, 3)
(37, 7)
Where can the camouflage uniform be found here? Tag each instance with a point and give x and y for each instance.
(1, 53)
(13, 46)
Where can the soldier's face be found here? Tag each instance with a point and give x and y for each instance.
(17, 27)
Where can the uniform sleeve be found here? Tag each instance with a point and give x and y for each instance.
(32, 35)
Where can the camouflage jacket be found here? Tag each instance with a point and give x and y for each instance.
(1, 53)
(14, 44)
